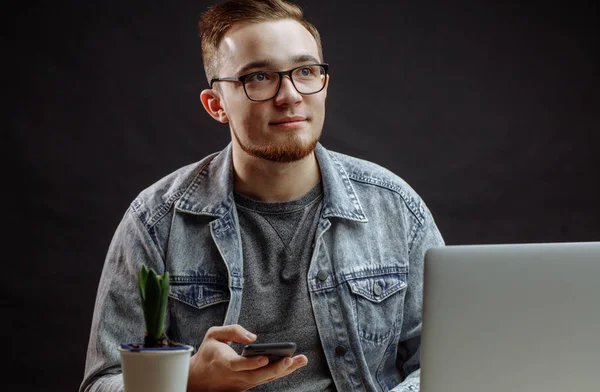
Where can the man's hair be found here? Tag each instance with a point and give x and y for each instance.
(215, 22)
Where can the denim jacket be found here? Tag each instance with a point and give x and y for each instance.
(364, 279)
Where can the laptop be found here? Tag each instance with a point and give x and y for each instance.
(511, 317)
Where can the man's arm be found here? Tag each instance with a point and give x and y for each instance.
(107, 382)
(410, 340)
(118, 315)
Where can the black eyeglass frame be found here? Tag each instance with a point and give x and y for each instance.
(242, 79)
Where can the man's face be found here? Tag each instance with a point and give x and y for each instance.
(287, 127)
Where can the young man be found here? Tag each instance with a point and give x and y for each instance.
(274, 238)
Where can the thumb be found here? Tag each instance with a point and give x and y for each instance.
(231, 333)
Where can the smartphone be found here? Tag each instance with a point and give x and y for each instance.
(273, 351)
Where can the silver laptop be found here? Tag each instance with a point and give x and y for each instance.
(511, 318)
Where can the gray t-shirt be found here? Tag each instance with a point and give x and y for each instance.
(277, 247)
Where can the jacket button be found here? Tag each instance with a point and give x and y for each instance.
(340, 350)
(322, 275)
(377, 290)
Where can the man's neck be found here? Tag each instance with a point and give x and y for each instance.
(273, 182)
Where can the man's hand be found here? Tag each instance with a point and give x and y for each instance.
(217, 367)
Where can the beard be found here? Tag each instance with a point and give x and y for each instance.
(291, 150)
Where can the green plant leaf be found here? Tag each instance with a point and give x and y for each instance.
(142, 278)
(164, 297)
(154, 294)
(152, 305)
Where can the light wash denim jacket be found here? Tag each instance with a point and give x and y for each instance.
(365, 276)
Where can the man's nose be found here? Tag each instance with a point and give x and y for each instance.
(287, 94)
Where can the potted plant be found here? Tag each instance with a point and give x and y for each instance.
(158, 364)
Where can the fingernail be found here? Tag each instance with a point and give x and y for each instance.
(287, 362)
(303, 362)
(263, 361)
(250, 335)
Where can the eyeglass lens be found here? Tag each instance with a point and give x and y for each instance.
(263, 85)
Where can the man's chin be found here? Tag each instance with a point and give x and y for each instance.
(282, 153)
(291, 148)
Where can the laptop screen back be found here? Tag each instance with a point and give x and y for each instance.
(513, 317)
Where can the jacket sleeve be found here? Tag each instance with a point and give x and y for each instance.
(425, 237)
(118, 316)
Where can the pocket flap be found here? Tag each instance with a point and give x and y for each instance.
(377, 288)
(199, 291)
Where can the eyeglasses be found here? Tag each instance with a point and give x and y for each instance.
(264, 85)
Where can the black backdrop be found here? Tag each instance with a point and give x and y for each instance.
(488, 109)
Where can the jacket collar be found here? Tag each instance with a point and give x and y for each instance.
(211, 191)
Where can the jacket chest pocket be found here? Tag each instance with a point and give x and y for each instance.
(378, 303)
(199, 291)
(199, 303)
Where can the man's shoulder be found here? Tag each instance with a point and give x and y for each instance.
(376, 180)
(369, 172)
(156, 200)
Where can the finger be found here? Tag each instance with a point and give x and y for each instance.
(298, 362)
(278, 369)
(289, 364)
(240, 363)
(230, 333)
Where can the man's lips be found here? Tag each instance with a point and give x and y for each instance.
(290, 120)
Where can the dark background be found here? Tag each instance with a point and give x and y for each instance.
(488, 109)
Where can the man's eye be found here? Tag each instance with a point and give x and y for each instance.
(258, 77)
(306, 71)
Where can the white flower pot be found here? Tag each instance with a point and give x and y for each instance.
(162, 369)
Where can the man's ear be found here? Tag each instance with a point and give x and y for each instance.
(212, 104)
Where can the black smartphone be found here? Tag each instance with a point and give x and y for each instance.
(273, 351)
